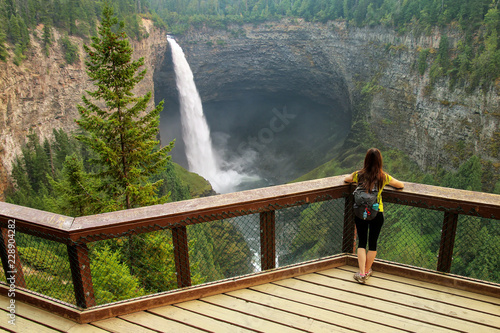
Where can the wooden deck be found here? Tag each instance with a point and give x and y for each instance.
(325, 301)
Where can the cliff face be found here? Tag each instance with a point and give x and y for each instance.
(331, 64)
(326, 64)
(42, 93)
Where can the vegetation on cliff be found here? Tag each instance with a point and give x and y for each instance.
(121, 135)
(115, 163)
(76, 18)
(474, 63)
(53, 175)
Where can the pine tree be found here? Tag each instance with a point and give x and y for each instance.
(3, 48)
(47, 39)
(116, 125)
(75, 191)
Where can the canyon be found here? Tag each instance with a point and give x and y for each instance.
(285, 95)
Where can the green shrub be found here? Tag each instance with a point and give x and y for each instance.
(47, 284)
(44, 260)
(422, 61)
(111, 278)
(70, 50)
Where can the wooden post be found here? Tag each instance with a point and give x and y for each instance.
(348, 233)
(181, 255)
(11, 261)
(268, 240)
(82, 278)
(448, 232)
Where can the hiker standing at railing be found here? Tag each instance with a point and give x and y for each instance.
(369, 218)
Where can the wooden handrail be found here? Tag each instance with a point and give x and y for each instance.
(45, 224)
(77, 232)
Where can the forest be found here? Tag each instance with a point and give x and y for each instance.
(474, 63)
(56, 175)
(113, 162)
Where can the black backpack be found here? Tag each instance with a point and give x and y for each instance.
(365, 204)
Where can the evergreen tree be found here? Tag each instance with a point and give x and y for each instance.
(70, 50)
(122, 134)
(29, 171)
(3, 48)
(111, 277)
(47, 39)
(75, 191)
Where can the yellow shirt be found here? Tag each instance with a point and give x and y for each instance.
(387, 180)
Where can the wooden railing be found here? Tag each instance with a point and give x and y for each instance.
(77, 233)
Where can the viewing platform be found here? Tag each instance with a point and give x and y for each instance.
(328, 300)
(294, 273)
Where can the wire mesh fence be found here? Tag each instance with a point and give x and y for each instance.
(410, 235)
(477, 248)
(44, 267)
(151, 259)
(309, 231)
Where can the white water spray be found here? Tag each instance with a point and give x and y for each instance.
(195, 131)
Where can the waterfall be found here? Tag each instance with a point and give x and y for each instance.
(200, 152)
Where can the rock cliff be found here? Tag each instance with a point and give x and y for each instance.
(367, 73)
(350, 74)
(42, 93)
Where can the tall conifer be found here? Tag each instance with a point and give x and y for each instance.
(117, 126)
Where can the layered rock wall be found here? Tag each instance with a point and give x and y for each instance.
(335, 62)
(328, 63)
(42, 93)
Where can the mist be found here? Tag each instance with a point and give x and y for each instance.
(272, 138)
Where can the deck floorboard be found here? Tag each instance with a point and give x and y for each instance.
(325, 301)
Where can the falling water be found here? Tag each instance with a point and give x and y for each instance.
(200, 153)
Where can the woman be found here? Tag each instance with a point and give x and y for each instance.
(368, 231)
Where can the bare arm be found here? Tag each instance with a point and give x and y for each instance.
(349, 178)
(396, 183)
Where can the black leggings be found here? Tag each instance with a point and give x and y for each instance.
(372, 227)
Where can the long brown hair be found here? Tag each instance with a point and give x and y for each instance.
(372, 172)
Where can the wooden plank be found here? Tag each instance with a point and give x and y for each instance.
(217, 207)
(418, 298)
(118, 325)
(197, 320)
(475, 301)
(44, 318)
(196, 292)
(291, 315)
(86, 328)
(448, 232)
(161, 324)
(437, 278)
(47, 304)
(11, 262)
(237, 318)
(356, 306)
(429, 285)
(443, 198)
(23, 325)
(382, 303)
(268, 240)
(348, 230)
(333, 316)
(181, 255)
(28, 218)
(39, 315)
(79, 262)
